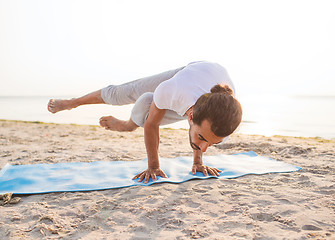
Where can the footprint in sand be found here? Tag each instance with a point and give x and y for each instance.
(311, 228)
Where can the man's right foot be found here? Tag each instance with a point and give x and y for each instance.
(56, 105)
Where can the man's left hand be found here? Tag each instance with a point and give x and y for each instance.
(205, 170)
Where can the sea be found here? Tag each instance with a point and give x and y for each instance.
(268, 115)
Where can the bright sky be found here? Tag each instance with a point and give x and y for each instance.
(69, 47)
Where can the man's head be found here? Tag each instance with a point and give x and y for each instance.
(215, 116)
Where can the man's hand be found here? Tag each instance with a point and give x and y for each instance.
(205, 170)
(150, 173)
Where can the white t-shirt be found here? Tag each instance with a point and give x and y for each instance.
(182, 91)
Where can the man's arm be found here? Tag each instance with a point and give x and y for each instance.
(198, 165)
(151, 139)
(197, 157)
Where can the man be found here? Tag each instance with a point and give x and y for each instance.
(200, 92)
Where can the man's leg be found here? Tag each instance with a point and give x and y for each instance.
(116, 95)
(56, 105)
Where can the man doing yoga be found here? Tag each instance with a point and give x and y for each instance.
(200, 92)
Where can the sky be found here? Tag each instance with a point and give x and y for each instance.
(62, 48)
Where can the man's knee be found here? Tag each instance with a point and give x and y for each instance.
(141, 108)
(118, 94)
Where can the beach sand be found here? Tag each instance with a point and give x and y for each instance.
(297, 205)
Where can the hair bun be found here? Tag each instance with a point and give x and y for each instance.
(222, 89)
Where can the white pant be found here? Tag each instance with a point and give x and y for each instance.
(140, 92)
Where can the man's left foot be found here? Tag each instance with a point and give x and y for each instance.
(114, 124)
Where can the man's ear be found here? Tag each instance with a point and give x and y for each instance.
(190, 116)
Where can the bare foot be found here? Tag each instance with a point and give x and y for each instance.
(56, 105)
(114, 124)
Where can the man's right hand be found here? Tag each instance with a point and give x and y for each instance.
(150, 173)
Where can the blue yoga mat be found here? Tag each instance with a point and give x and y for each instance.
(83, 176)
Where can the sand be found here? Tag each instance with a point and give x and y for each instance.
(298, 205)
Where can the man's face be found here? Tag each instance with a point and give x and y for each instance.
(201, 137)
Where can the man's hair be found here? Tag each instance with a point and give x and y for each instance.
(220, 108)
